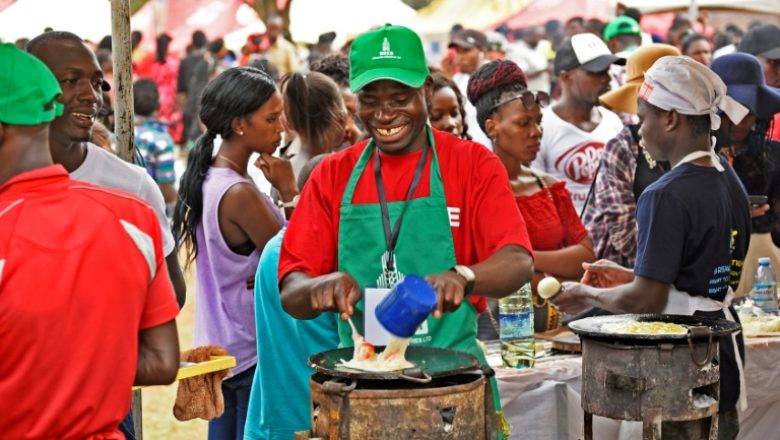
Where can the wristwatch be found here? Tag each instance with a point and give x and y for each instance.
(291, 204)
(467, 274)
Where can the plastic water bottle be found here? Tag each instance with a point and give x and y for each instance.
(516, 320)
(765, 287)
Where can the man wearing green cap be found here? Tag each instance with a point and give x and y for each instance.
(623, 36)
(69, 359)
(410, 200)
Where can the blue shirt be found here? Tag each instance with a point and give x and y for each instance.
(280, 401)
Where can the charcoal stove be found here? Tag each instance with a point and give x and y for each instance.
(651, 378)
(446, 396)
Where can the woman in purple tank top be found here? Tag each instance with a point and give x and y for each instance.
(225, 221)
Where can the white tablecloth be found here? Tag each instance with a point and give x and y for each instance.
(543, 403)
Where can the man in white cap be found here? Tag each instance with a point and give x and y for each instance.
(576, 128)
(694, 225)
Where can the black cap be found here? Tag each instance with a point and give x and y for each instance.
(586, 51)
(326, 38)
(469, 39)
(763, 40)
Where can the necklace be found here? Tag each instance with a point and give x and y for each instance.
(239, 168)
(543, 186)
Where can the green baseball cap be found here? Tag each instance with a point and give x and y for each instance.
(622, 25)
(389, 52)
(28, 89)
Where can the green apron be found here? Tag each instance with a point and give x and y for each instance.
(424, 247)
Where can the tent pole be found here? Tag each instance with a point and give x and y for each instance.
(123, 78)
(693, 10)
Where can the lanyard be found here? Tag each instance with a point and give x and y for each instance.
(392, 237)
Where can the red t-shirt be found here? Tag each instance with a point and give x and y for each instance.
(81, 272)
(552, 224)
(483, 214)
(775, 133)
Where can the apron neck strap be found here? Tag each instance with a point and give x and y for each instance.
(714, 159)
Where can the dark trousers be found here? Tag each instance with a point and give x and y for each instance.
(236, 391)
(127, 427)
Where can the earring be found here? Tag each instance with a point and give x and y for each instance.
(240, 133)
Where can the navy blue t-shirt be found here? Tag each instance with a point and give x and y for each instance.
(693, 231)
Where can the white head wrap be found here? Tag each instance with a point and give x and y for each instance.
(690, 88)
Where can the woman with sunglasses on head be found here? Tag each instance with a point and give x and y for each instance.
(511, 116)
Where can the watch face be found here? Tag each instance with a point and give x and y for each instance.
(465, 272)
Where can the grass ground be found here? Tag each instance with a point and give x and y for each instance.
(159, 423)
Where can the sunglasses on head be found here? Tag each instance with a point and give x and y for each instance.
(528, 97)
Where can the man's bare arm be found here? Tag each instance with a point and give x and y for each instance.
(158, 355)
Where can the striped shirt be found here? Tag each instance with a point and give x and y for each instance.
(156, 147)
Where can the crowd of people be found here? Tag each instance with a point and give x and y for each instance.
(614, 160)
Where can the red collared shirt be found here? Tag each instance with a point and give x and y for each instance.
(81, 272)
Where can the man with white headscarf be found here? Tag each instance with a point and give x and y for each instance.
(693, 226)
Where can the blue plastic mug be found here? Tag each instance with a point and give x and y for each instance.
(406, 306)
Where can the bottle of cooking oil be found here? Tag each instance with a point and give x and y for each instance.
(516, 331)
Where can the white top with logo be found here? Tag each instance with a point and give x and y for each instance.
(572, 155)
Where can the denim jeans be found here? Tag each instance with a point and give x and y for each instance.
(127, 427)
(236, 391)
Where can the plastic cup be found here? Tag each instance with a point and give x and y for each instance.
(406, 306)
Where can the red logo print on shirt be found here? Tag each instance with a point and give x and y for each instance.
(580, 162)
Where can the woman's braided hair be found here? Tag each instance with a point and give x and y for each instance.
(489, 82)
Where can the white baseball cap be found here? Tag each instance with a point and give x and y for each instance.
(586, 51)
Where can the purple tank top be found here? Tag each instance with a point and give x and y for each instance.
(224, 305)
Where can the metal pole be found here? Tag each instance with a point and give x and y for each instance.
(693, 10)
(138, 419)
(123, 78)
(123, 119)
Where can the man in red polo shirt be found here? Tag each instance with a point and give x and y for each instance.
(410, 200)
(72, 255)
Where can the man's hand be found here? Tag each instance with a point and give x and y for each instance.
(335, 292)
(573, 298)
(449, 288)
(605, 273)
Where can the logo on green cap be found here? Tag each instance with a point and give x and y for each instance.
(386, 52)
(390, 52)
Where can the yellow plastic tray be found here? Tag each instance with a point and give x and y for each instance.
(216, 363)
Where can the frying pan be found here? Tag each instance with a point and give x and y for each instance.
(429, 363)
(707, 327)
